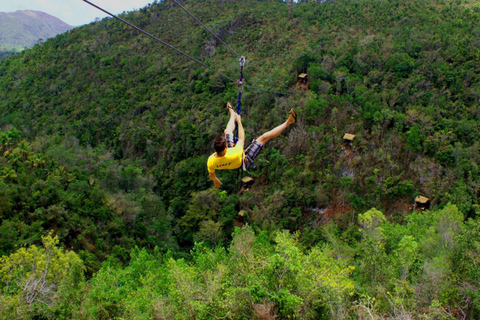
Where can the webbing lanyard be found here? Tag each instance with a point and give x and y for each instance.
(240, 90)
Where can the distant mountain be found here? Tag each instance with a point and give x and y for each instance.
(24, 28)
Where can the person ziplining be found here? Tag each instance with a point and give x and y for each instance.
(228, 155)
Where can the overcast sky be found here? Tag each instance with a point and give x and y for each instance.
(73, 12)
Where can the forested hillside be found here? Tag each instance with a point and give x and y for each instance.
(105, 135)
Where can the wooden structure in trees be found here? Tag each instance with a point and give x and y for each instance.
(247, 183)
(240, 220)
(302, 81)
(421, 203)
(348, 137)
(347, 143)
(303, 78)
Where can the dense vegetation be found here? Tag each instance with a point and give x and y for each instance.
(425, 269)
(105, 136)
(5, 51)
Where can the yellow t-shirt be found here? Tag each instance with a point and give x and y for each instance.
(231, 160)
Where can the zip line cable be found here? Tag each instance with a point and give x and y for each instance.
(175, 49)
(159, 40)
(198, 20)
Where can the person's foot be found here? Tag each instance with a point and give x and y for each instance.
(230, 109)
(292, 117)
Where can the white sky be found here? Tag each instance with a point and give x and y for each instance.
(73, 12)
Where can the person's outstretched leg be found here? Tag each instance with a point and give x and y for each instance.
(275, 132)
(231, 122)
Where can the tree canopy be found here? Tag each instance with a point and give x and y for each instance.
(105, 134)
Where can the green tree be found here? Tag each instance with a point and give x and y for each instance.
(401, 64)
(44, 282)
(406, 255)
(414, 139)
(466, 259)
(371, 265)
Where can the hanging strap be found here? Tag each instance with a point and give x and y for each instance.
(240, 83)
(240, 90)
(239, 105)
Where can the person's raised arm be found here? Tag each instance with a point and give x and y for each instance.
(241, 131)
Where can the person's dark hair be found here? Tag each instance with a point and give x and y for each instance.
(220, 143)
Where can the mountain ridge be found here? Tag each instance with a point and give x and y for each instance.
(24, 28)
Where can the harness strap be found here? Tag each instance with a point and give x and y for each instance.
(244, 166)
(251, 161)
(240, 89)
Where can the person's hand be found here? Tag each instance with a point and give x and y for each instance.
(217, 183)
(238, 117)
